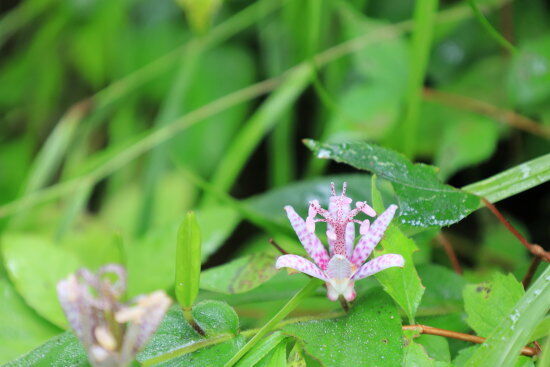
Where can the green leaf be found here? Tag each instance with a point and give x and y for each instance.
(188, 261)
(443, 289)
(215, 317)
(542, 329)
(296, 358)
(468, 139)
(423, 200)
(437, 347)
(514, 180)
(240, 275)
(366, 111)
(488, 304)
(35, 266)
(175, 340)
(370, 335)
(503, 346)
(464, 354)
(402, 284)
(22, 329)
(529, 75)
(216, 223)
(60, 351)
(416, 356)
(262, 350)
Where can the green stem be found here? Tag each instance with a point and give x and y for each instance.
(424, 22)
(271, 324)
(187, 349)
(490, 29)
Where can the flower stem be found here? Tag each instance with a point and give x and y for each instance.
(271, 324)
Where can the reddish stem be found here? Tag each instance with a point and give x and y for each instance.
(448, 247)
(535, 249)
(423, 329)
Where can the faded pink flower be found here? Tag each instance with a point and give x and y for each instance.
(347, 263)
(112, 332)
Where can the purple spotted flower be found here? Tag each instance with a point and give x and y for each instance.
(346, 263)
(112, 332)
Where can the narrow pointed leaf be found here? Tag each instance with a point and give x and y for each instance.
(188, 261)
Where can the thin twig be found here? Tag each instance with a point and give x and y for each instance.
(530, 272)
(276, 245)
(505, 116)
(423, 329)
(448, 247)
(535, 249)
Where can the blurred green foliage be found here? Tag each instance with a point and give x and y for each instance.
(117, 117)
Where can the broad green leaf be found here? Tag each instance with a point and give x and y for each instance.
(415, 356)
(240, 275)
(261, 350)
(468, 139)
(488, 304)
(402, 284)
(512, 181)
(21, 329)
(150, 260)
(384, 63)
(174, 336)
(95, 245)
(373, 323)
(60, 351)
(215, 317)
(366, 111)
(529, 75)
(299, 194)
(423, 200)
(35, 266)
(443, 289)
(503, 346)
(280, 287)
(500, 247)
(436, 347)
(188, 261)
(217, 223)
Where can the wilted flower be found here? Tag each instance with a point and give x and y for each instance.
(345, 266)
(111, 332)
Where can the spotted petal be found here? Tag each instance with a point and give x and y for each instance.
(309, 240)
(302, 265)
(369, 241)
(378, 264)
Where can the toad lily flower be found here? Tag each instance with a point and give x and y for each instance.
(111, 332)
(346, 264)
